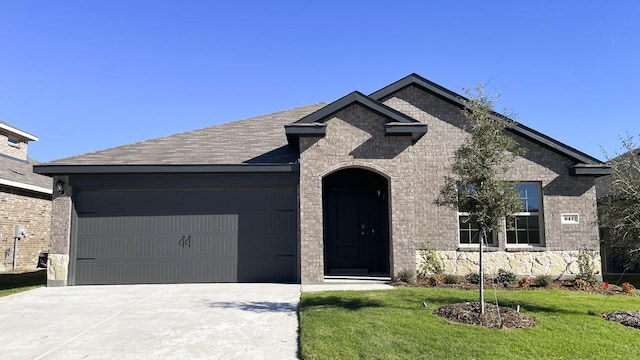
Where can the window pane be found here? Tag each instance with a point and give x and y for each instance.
(534, 237)
(469, 232)
(511, 237)
(530, 195)
(464, 237)
(522, 237)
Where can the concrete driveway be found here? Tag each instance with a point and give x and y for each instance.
(185, 321)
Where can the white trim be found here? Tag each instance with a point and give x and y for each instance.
(19, 132)
(26, 186)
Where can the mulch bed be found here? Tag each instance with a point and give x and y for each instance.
(598, 288)
(627, 318)
(494, 316)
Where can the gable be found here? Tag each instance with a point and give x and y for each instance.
(583, 163)
(397, 123)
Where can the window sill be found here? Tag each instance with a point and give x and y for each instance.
(472, 248)
(526, 248)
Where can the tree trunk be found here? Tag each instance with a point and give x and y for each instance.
(481, 271)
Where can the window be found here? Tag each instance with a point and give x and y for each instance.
(469, 232)
(12, 141)
(525, 228)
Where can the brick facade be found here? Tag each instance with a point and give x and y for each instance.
(23, 201)
(355, 138)
(17, 150)
(31, 210)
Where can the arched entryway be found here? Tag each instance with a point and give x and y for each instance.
(356, 223)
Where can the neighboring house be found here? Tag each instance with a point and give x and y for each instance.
(615, 259)
(25, 200)
(345, 188)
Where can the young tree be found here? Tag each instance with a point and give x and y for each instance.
(478, 165)
(620, 201)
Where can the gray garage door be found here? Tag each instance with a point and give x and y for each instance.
(176, 236)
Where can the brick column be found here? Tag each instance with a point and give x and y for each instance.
(61, 207)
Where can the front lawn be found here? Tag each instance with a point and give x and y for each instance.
(394, 324)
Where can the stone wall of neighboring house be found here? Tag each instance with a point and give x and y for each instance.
(17, 150)
(33, 211)
(355, 138)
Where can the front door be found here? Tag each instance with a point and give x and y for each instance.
(356, 223)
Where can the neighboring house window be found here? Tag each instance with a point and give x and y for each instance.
(526, 228)
(12, 142)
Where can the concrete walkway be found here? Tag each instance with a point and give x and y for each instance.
(185, 321)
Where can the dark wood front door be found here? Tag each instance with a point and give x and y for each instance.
(356, 224)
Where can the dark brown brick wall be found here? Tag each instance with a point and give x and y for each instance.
(355, 138)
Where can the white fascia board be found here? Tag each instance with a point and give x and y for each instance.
(18, 132)
(26, 186)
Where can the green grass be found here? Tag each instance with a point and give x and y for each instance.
(394, 324)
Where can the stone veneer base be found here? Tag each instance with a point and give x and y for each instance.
(559, 264)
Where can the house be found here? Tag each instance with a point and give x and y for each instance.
(25, 202)
(616, 258)
(345, 188)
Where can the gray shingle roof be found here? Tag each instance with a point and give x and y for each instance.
(255, 140)
(22, 172)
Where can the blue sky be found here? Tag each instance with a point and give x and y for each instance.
(89, 75)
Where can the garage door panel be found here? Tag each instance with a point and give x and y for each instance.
(169, 236)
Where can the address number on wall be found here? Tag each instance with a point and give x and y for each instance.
(570, 218)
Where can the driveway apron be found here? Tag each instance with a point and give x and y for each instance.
(182, 321)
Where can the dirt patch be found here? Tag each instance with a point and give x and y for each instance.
(627, 318)
(494, 316)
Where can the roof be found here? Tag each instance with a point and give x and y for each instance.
(257, 140)
(19, 174)
(8, 128)
(516, 127)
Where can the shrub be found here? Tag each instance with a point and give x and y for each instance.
(628, 288)
(406, 275)
(436, 279)
(543, 280)
(525, 282)
(431, 263)
(451, 279)
(580, 284)
(505, 277)
(586, 266)
(473, 278)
